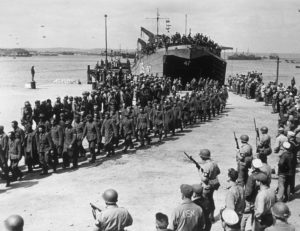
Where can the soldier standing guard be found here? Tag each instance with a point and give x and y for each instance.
(112, 217)
(244, 158)
(209, 176)
(264, 145)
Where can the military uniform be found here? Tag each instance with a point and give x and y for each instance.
(244, 158)
(113, 218)
(142, 127)
(79, 127)
(281, 226)
(187, 216)
(45, 147)
(91, 133)
(109, 131)
(127, 126)
(15, 155)
(57, 136)
(3, 155)
(70, 149)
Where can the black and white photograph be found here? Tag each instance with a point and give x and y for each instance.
(144, 115)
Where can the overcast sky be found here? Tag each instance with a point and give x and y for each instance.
(257, 25)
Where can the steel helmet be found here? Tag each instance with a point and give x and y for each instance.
(14, 222)
(264, 129)
(281, 210)
(204, 154)
(244, 138)
(110, 196)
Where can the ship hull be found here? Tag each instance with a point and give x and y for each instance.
(182, 61)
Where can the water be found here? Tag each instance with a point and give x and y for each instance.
(14, 73)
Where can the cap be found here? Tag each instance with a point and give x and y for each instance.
(197, 188)
(186, 190)
(281, 129)
(262, 177)
(291, 134)
(230, 217)
(256, 163)
(286, 145)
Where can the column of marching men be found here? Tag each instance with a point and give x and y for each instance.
(137, 111)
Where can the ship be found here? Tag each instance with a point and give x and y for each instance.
(243, 56)
(273, 56)
(185, 59)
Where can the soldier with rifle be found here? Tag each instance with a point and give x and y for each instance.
(209, 171)
(244, 158)
(264, 145)
(112, 217)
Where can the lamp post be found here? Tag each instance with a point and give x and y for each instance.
(105, 16)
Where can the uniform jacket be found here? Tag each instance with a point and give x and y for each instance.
(44, 142)
(57, 135)
(14, 149)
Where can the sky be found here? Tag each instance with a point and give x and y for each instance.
(254, 25)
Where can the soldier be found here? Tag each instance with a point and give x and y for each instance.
(244, 158)
(19, 134)
(209, 176)
(161, 222)
(230, 220)
(235, 198)
(112, 217)
(91, 133)
(204, 203)
(264, 145)
(3, 154)
(69, 149)
(142, 125)
(98, 122)
(31, 155)
(109, 131)
(264, 201)
(14, 223)
(281, 213)
(36, 112)
(177, 116)
(188, 215)
(27, 114)
(127, 126)
(169, 120)
(45, 148)
(79, 127)
(158, 121)
(57, 136)
(14, 155)
(285, 172)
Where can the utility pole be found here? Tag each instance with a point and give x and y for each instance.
(277, 71)
(105, 16)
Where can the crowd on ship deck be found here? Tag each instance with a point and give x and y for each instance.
(164, 41)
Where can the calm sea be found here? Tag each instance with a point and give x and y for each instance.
(15, 73)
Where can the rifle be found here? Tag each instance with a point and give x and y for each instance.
(257, 132)
(192, 159)
(236, 141)
(94, 209)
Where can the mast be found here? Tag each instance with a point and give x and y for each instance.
(157, 18)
